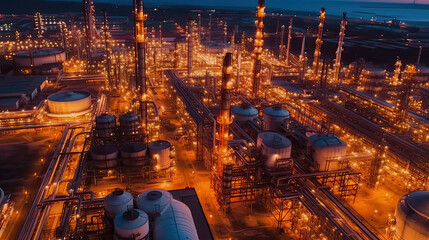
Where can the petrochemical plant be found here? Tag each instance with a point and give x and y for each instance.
(205, 125)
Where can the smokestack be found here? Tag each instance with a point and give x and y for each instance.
(337, 63)
(318, 45)
(107, 50)
(141, 62)
(199, 28)
(89, 15)
(289, 38)
(302, 57)
(190, 46)
(282, 46)
(259, 43)
(210, 28)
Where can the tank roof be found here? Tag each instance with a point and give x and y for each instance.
(419, 202)
(276, 111)
(105, 118)
(129, 117)
(104, 149)
(154, 201)
(131, 219)
(245, 110)
(118, 197)
(274, 140)
(133, 147)
(326, 140)
(68, 96)
(160, 144)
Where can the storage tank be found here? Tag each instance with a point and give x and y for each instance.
(69, 103)
(39, 57)
(161, 152)
(373, 78)
(105, 125)
(273, 118)
(327, 150)
(105, 156)
(133, 154)
(154, 201)
(116, 202)
(131, 224)
(176, 223)
(274, 146)
(129, 124)
(244, 112)
(412, 216)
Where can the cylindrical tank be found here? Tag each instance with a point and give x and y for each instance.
(105, 125)
(133, 154)
(327, 150)
(274, 147)
(105, 156)
(69, 103)
(244, 112)
(39, 57)
(131, 224)
(129, 124)
(175, 223)
(373, 78)
(273, 117)
(116, 202)
(154, 201)
(161, 152)
(412, 216)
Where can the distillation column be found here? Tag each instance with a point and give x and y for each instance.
(107, 51)
(38, 22)
(89, 15)
(403, 100)
(190, 46)
(259, 43)
(318, 45)
(224, 163)
(397, 72)
(289, 39)
(337, 63)
(282, 46)
(141, 63)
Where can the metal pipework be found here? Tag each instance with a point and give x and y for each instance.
(337, 63)
(141, 62)
(107, 51)
(282, 47)
(289, 39)
(319, 42)
(258, 44)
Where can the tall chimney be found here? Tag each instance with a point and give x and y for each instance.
(289, 38)
(141, 62)
(318, 45)
(259, 43)
(107, 51)
(282, 46)
(337, 63)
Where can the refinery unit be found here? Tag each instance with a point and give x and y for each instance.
(211, 131)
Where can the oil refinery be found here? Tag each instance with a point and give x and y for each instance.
(146, 120)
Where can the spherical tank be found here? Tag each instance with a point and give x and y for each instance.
(69, 103)
(131, 224)
(133, 154)
(244, 112)
(160, 151)
(327, 150)
(175, 223)
(273, 118)
(412, 216)
(39, 57)
(105, 125)
(117, 201)
(129, 124)
(274, 147)
(154, 201)
(105, 156)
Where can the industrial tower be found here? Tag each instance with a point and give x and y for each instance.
(90, 30)
(289, 39)
(337, 63)
(317, 51)
(259, 43)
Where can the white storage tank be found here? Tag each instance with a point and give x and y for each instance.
(129, 124)
(133, 154)
(273, 117)
(412, 216)
(69, 103)
(176, 223)
(327, 150)
(105, 125)
(274, 146)
(39, 57)
(244, 112)
(118, 201)
(154, 201)
(131, 224)
(105, 156)
(161, 152)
